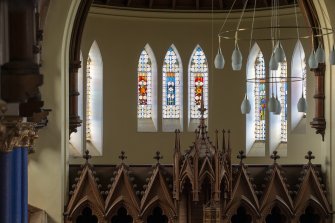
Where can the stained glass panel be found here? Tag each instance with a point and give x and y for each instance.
(171, 85)
(88, 99)
(198, 83)
(283, 101)
(144, 106)
(260, 98)
(304, 86)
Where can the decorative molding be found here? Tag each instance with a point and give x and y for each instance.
(15, 134)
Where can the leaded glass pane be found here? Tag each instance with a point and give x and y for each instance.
(88, 99)
(144, 71)
(171, 85)
(260, 98)
(283, 101)
(198, 83)
(304, 85)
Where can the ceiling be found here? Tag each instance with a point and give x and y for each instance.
(189, 5)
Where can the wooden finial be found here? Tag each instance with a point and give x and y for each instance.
(274, 156)
(241, 156)
(309, 156)
(87, 156)
(122, 156)
(158, 156)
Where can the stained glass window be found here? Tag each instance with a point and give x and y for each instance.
(144, 70)
(198, 82)
(171, 85)
(88, 99)
(283, 102)
(260, 98)
(304, 85)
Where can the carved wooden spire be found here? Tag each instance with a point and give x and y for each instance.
(241, 156)
(122, 156)
(275, 156)
(309, 157)
(87, 156)
(158, 156)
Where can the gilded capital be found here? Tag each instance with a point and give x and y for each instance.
(14, 134)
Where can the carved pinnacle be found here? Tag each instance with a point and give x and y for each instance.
(241, 156)
(309, 156)
(87, 156)
(274, 156)
(158, 156)
(122, 156)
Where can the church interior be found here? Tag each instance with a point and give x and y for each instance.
(167, 111)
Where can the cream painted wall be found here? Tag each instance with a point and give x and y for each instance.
(121, 35)
(47, 167)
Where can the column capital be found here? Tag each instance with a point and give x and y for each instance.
(16, 133)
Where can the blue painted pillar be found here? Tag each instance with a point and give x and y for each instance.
(14, 186)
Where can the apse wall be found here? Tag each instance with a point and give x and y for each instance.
(122, 35)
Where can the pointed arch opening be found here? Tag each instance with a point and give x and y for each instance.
(172, 91)
(197, 87)
(122, 216)
(147, 91)
(276, 216)
(87, 216)
(298, 69)
(241, 216)
(157, 216)
(256, 119)
(93, 120)
(278, 122)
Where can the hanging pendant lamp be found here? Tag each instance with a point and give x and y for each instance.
(320, 54)
(219, 61)
(273, 64)
(302, 104)
(280, 53)
(312, 63)
(236, 58)
(245, 106)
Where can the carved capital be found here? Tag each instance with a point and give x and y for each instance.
(14, 134)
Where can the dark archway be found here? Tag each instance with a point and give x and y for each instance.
(86, 216)
(309, 216)
(122, 216)
(241, 216)
(157, 216)
(276, 216)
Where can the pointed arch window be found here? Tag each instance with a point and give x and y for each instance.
(256, 119)
(144, 86)
(283, 101)
(94, 101)
(146, 91)
(278, 122)
(172, 91)
(198, 86)
(90, 105)
(298, 121)
(260, 99)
